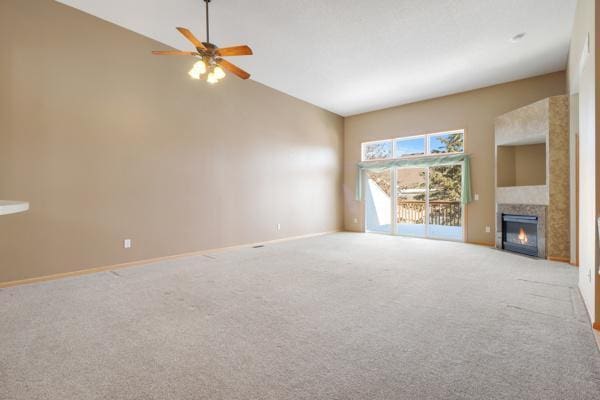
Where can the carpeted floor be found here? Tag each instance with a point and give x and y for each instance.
(342, 316)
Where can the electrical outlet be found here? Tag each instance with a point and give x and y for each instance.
(488, 229)
(127, 243)
(476, 197)
(278, 227)
(356, 220)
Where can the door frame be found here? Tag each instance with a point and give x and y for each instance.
(394, 206)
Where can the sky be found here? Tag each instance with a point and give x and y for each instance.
(411, 146)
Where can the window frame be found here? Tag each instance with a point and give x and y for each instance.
(425, 136)
(425, 145)
(365, 144)
(430, 135)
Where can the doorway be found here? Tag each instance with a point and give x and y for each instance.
(421, 202)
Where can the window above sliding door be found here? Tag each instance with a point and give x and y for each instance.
(380, 150)
(409, 147)
(446, 143)
(450, 142)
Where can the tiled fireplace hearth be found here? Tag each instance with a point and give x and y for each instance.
(532, 213)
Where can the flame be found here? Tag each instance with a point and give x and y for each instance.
(522, 236)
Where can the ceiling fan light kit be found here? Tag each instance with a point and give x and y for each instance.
(211, 65)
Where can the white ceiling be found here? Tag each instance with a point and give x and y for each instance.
(351, 56)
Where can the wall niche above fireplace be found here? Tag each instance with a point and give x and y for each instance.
(521, 165)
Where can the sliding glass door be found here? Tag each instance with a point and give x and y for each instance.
(445, 209)
(411, 200)
(422, 202)
(378, 204)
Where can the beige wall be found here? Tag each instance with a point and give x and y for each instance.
(582, 68)
(506, 167)
(108, 142)
(474, 111)
(530, 164)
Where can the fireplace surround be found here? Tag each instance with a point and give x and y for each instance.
(521, 138)
(532, 219)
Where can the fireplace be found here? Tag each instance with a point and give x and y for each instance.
(530, 217)
(520, 234)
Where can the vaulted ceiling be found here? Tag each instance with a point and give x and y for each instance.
(352, 56)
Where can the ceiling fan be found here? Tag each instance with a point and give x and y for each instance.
(211, 56)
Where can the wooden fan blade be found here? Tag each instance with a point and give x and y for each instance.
(233, 69)
(235, 51)
(175, 53)
(190, 36)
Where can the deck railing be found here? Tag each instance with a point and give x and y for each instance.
(447, 213)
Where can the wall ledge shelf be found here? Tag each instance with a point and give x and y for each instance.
(523, 195)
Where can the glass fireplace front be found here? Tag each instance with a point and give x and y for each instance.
(519, 234)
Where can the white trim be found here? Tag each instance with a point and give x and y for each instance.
(449, 131)
(393, 208)
(427, 199)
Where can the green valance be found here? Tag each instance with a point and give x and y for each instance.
(419, 162)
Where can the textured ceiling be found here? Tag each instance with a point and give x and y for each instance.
(352, 56)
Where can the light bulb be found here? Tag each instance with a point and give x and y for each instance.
(198, 69)
(219, 73)
(212, 78)
(200, 66)
(194, 73)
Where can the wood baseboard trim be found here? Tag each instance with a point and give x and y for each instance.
(560, 259)
(596, 331)
(574, 263)
(483, 244)
(94, 270)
